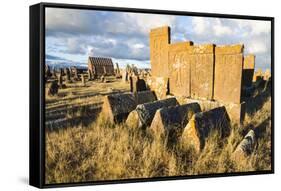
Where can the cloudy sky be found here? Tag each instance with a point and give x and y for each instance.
(72, 35)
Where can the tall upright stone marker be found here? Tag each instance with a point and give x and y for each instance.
(202, 71)
(248, 70)
(179, 68)
(228, 73)
(159, 41)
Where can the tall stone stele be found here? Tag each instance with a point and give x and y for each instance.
(248, 70)
(159, 41)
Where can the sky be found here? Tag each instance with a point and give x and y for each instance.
(72, 35)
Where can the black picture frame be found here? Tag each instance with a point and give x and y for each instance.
(37, 93)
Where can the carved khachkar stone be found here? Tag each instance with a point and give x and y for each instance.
(54, 74)
(159, 41)
(179, 69)
(125, 76)
(137, 84)
(60, 81)
(117, 107)
(258, 76)
(143, 115)
(47, 71)
(172, 120)
(228, 73)
(201, 125)
(67, 74)
(267, 74)
(117, 72)
(76, 76)
(83, 80)
(159, 85)
(53, 88)
(202, 71)
(246, 146)
(90, 75)
(248, 70)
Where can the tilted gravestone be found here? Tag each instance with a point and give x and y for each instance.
(246, 146)
(202, 124)
(83, 80)
(117, 107)
(171, 121)
(143, 115)
(137, 84)
(53, 88)
(60, 81)
(67, 74)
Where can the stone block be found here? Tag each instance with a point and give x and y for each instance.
(159, 85)
(143, 115)
(228, 74)
(202, 124)
(170, 121)
(248, 70)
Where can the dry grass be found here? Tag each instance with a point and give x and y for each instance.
(102, 151)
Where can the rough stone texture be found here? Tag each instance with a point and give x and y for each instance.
(143, 115)
(201, 125)
(179, 68)
(90, 75)
(236, 112)
(248, 70)
(83, 80)
(159, 85)
(246, 146)
(144, 97)
(159, 41)
(60, 81)
(267, 74)
(137, 84)
(53, 88)
(117, 107)
(228, 73)
(202, 71)
(258, 75)
(47, 71)
(67, 73)
(54, 74)
(125, 76)
(117, 72)
(76, 76)
(97, 64)
(172, 120)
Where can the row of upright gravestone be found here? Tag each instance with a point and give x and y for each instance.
(203, 72)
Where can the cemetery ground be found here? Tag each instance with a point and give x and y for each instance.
(83, 146)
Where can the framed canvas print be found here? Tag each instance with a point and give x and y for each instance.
(124, 95)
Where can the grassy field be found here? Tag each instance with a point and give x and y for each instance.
(78, 151)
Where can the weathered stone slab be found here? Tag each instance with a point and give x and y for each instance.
(137, 84)
(53, 88)
(159, 41)
(144, 97)
(248, 70)
(236, 112)
(171, 121)
(228, 73)
(258, 75)
(117, 107)
(143, 115)
(179, 69)
(202, 71)
(246, 146)
(201, 125)
(159, 85)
